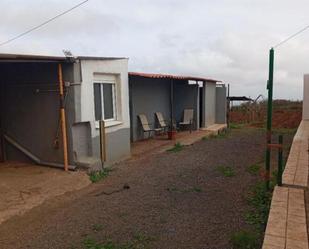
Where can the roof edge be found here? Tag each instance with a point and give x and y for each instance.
(35, 57)
(5, 56)
(171, 76)
(100, 58)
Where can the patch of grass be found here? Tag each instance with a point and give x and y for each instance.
(259, 200)
(139, 241)
(244, 240)
(226, 171)
(222, 134)
(90, 243)
(284, 131)
(254, 169)
(177, 148)
(235, 126)
(209, 137)
(187, 190)
(96, 176)
(197, 189)
(97, 227)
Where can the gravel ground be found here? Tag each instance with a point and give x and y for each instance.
(176, 200)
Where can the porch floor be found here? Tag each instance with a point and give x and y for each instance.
(24, 186)
(161, 143)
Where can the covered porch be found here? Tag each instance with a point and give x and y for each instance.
(161, 143)
(171, 95)
(30, 123)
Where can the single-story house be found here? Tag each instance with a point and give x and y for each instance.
(50, 108)
(171, 95)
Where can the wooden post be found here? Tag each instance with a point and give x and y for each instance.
(102, 141)
(63, 119)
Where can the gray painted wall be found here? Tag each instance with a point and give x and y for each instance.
(147, 96)
(209, 105)
(118, 145)
(186, 97)
(81, 135)
(30, 116)
(221, 104)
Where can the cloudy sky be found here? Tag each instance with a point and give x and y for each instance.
(223, 39)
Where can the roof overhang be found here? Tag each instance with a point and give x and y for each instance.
(9, 58)
(5, 58)
(170, 76)
(100, 58)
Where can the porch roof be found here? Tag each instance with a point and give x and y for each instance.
(170, 76)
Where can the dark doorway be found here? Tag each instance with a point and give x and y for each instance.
(201, 105)
(1, 121)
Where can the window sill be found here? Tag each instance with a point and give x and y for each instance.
(108, 123)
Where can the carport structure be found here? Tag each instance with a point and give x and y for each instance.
(30, 110)
(170, 95)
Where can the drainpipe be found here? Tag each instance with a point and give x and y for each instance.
(63, 120)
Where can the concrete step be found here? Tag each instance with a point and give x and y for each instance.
(89, 163)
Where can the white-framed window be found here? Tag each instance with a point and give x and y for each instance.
(104, 101)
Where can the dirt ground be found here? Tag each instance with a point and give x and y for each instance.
(176, 200)
(24, 186)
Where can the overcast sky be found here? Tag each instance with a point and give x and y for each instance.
(223, 39)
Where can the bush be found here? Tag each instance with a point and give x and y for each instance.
(254, 169)
(226, 171)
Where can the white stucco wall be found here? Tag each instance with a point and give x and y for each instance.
(306, 98)
(90, 69)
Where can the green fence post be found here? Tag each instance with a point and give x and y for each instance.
(269, 114)
(280, 161)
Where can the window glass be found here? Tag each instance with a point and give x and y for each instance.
(97, 101)
(104, 101)
(108, 101)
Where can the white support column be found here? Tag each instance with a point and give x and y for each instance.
(209, 104)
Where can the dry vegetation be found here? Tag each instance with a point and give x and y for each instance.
(286, 114)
